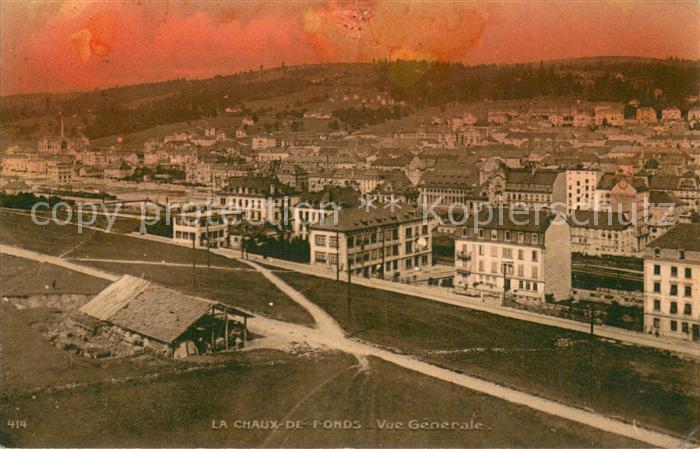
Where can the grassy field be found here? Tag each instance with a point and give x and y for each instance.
(653, 387)
(246, 289)
(25, 277)
(140, 403)
(28, 361)
(55, 240)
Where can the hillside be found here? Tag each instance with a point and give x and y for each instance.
(344, 90)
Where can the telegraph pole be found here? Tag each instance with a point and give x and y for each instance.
(337, 258)
(194, 261)
(349, 280)
(207, 231)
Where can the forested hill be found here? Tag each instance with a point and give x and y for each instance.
(420, 83)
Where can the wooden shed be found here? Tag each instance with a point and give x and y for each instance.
(167, 321)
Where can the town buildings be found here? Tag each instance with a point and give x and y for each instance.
(672, 283)
(595, 233)
(514, 254)
(378, 242)
(202, 228)
(581, 189)
(260, 199)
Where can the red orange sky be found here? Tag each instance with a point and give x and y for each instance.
(78, 45)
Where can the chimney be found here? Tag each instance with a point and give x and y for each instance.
(63, 134)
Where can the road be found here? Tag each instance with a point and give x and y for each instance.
(686, 348)
(328, 334)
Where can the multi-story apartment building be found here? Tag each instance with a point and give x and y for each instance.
(317, 207)
(580, 189)
(596, 233)
(208, 227)
(672, 283)
(60, 172)
(378, 242)
(628, 196)
(694, 118)
(684, 188)
(530, 188)
(671, 114)
(609, 115)
(448, 189)
(514, 253)
(260, 199)
(582, 120)
(646, 115)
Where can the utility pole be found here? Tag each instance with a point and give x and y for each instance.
(242, 239)
(207, 231)
(592, 318)
(337, 257)
(194, 261)
(349, 280)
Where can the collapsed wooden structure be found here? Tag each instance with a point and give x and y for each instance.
(167, 321)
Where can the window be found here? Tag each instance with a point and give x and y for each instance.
(674, 272)
(521, 237)
(674, 325)
(494, 251)
(494, 234)
(425, 229)
(687, 291)
(674, 290)
(657, 323)
(507, 253)
(333, 258)
(481, 250)
(657, 270)
(657, 305)
(320, 257)
(521, 254)
(409, 233)
(481, 266)
(521, 270)
(409, 247)
(674, 307)
(320, 240)
(535, 272)
(535, 239)
(688, 273)
(351, 241)
(506, 236)
(688, 309)
(534, 256)
(333, 241)
(657, 252)
(681, 254)
(657, 287)
(481, 234)
(494, 267)
(684, 327)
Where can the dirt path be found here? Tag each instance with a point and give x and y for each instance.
(152, 262)
(325, 323)
(32, 255)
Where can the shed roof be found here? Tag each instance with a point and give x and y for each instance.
(149, 309)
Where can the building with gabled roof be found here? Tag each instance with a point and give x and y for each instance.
(166, 321)
(671, 283)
